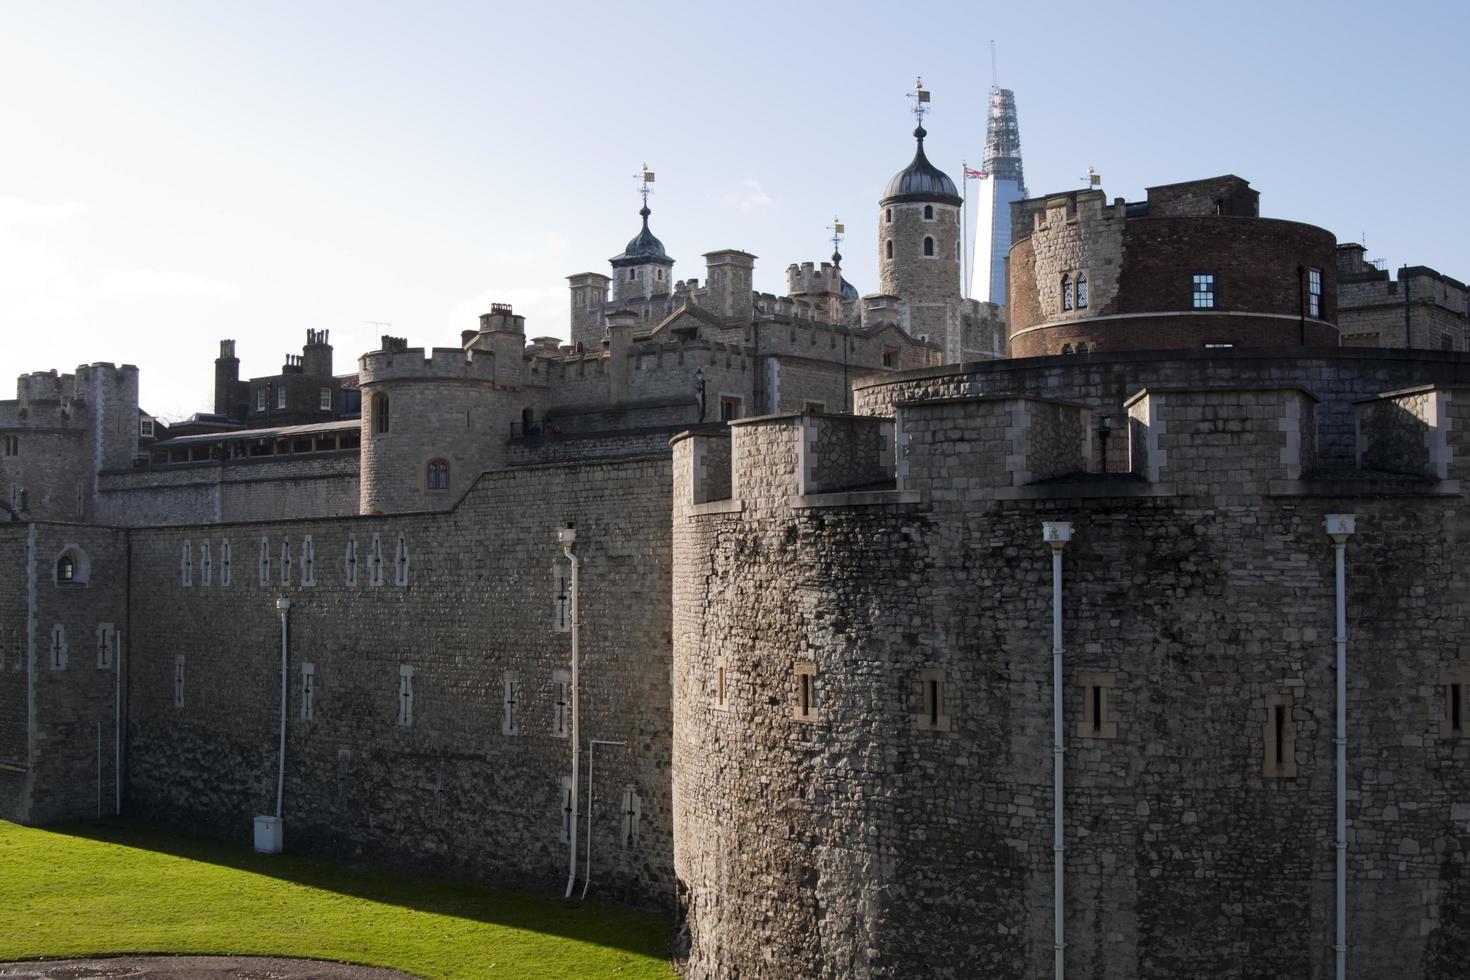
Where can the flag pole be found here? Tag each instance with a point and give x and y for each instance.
(964, 230)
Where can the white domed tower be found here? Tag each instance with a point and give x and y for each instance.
(919, 249)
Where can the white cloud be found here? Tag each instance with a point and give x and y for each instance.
(164, 282)
(749, 196)
(17, 210)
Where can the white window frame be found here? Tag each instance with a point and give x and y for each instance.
(325, 399)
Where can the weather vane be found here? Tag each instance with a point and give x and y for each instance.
(644, 178)
(1093, 178)
(920, 95)
(838, 229)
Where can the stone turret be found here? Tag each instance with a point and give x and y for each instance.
(919, 249)
(728, 287)
(588, 296)
(643, 269)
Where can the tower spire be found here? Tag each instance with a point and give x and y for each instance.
(920, 95)
(837, 228)
(645, 188)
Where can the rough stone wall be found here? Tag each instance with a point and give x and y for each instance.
(1394, 433)
(863, 840)
(929, 284)
(14, 669)
(73, 697)
(1372, 312)
(845, 452)
(452, 792)
(1075, 234)
(1337, 377)
(52, 468)
(322, 485)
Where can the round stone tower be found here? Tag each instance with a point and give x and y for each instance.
(919, 248)
(434, 420)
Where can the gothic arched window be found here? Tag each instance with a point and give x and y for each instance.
(436, 476)
(888, 249)
(928, 212)
(928, 246)
(1066, 292)
(1081, 290)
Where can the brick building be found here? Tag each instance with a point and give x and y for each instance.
(1193, 265)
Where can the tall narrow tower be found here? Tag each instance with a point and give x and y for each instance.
(1003, 184)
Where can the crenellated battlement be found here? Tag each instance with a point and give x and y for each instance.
(1073, 207)
(809, 277)
(416, 363)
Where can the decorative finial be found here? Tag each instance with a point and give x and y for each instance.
(644, 178)
(920, 95)
(838, 229)
(1093, 178)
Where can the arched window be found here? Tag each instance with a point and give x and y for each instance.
(1066, 348)
(928, 212)
(1082, 347)
(1081, 290)
(436, 476)
(957, 251)
(380, 413)
(1066, 292)
(888, 215)
(72, 567)
(888, 249)
(928, 246)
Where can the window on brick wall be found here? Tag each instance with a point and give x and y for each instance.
(12, 445)
(632, 813)
(308, 692)
(1097, 690)
(888, 219)
(224, 564)
(933, 713)
(375, 562)
(325, 399)
(510, 715)
(285, 563)
(888, 249)
(58, 647)
(1081, 290)
(1066, 292)
(1314, 292)
(730, 406)
(260, 399)
(1278, 739)
(1204, 291)
(928, 212)
(308, 561)
(400, 563)
(281, 397)
(405, 695)
(380, 413)
(186, 565)
(561, 703)
(1454, 686)
(890, 357)
(106, 641)
(804, 674)
(436, 475)
(179, 680)
(928, 246)
(265, 562)
(206, 565)
(349, 561)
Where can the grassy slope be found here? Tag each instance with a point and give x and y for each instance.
(123, 888)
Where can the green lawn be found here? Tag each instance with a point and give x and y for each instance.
(114, 888)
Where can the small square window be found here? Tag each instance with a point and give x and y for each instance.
(145, 428)
(730, 406)
(325, 396)
(890, 357)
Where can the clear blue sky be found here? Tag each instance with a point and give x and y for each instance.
(178, 173)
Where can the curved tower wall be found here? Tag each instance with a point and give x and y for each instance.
(443, 405)
(881, 834)
(930, 285)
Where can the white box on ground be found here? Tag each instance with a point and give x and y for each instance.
(268, 834)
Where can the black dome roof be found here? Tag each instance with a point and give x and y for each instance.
(921, 181)
(643, 248)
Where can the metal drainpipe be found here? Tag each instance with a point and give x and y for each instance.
(592, 744)
(1057, 534)
(1339, 528)
(283, 606)
(567, 537)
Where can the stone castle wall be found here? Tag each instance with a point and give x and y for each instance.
(454, 791)
(879, 834)
(324, 485)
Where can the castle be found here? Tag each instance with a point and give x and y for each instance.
(896, 656)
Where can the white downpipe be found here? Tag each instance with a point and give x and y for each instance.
(284, 607)
(567, 537)
(1339, 528)
(591, 757)
(117, 724)
(1057, 534)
